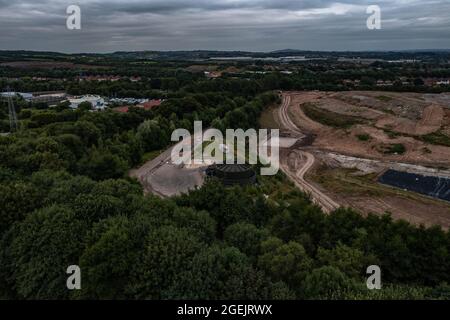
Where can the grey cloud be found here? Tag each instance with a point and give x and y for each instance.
(222, 24)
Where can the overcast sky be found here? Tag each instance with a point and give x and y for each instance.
(253, 25)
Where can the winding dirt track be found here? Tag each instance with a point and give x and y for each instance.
(283, 115)
(300, 169)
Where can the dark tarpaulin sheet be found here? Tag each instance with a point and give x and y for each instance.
(431, 186)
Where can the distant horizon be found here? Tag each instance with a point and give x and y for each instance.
(233, 50)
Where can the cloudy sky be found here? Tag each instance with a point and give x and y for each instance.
(253, 25)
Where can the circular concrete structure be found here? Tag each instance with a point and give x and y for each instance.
(233, 174)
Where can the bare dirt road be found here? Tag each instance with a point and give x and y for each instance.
(303, 161)
(283, 115)
(296, 170)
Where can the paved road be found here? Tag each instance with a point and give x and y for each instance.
(176, 178)
(149, 168)
(297, 174)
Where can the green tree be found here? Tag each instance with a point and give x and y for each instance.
(85, 106)
(39, 250)
(285, 262)
(107, 259)
(326, 283)
(348, 260)
(101, 164)
(246, 237)
(223, 273)
(151, 136)
(167, 252)
(18, 199)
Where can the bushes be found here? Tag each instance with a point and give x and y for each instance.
(363, 137)
(437, 138)
(397, 148)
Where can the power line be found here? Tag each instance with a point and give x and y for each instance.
(13, 122)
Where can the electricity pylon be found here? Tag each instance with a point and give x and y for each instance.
(13, 122)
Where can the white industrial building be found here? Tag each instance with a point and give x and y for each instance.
(26, 96)
(97, 102)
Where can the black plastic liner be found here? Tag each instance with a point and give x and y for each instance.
(431, 186)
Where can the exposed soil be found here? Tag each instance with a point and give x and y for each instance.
(384, 129)
(431, 121)
(364, 194)
(415, 212)
(387, 119)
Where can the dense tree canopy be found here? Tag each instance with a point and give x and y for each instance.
(67, 200)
